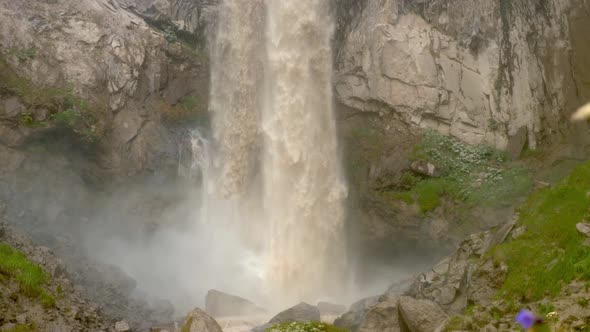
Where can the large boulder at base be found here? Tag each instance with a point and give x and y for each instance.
(382, 317)
(198, 321)
(421, 315)
(302, 312)
(220, 304)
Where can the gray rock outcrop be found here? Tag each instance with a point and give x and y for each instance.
(470, 71)
(421, 315)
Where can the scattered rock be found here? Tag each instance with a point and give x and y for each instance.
(302, 312)
(421, 315)
(199, 321)
(517, 232)
(122, 326)
(583, 228)
(21, 319)
(12, 107)
(424, 168)
(382, 317)
(327, 308)
(220, 304)
(586, 243)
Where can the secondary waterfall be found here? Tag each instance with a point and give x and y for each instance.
(274, 139)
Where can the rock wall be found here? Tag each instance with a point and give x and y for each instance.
(123, 79)
(495, 72)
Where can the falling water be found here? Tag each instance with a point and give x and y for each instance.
(271, 100)
(304, 190)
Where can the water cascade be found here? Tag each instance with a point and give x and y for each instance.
(274, 141)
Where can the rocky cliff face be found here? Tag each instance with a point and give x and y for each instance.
(494, 72)
(100, 69)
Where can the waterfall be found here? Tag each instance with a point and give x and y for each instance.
(274, 141)
(304, 190)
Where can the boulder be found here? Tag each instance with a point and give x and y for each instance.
(198, 321)
(327, 308)
(122, 326)
(302, 312)
(424, 168)
(421, 315)
(351, 320)
(220, 304)
(12, 107)
(583, 228)
(382, 317)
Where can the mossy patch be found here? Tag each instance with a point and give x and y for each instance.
(189, 110)
(475, 175)
(304, 327)
(550, 253)
(64, 106)
(29, 276)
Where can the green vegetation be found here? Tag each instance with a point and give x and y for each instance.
(304, 327)
(550, 253)
(473, 174)
(187, 325)
(22, 328)
(187, 110)
(24, 54)
(64, 106)
(30, 277)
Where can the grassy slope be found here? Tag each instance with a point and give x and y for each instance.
(29, 276)
(471, 175)
(550, 254)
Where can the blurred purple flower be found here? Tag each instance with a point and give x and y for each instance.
(525, 318)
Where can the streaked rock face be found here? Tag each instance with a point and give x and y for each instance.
(475, 72)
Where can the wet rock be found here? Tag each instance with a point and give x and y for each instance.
(351, 320)
(122, 326)
(421, 315)
(220, 304)
(327, 308)
(302, 312)
(199, 321)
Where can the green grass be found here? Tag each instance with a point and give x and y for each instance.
(304, 327)
(473, 174)
(550, 253)
(22, 328)
(29, 276)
